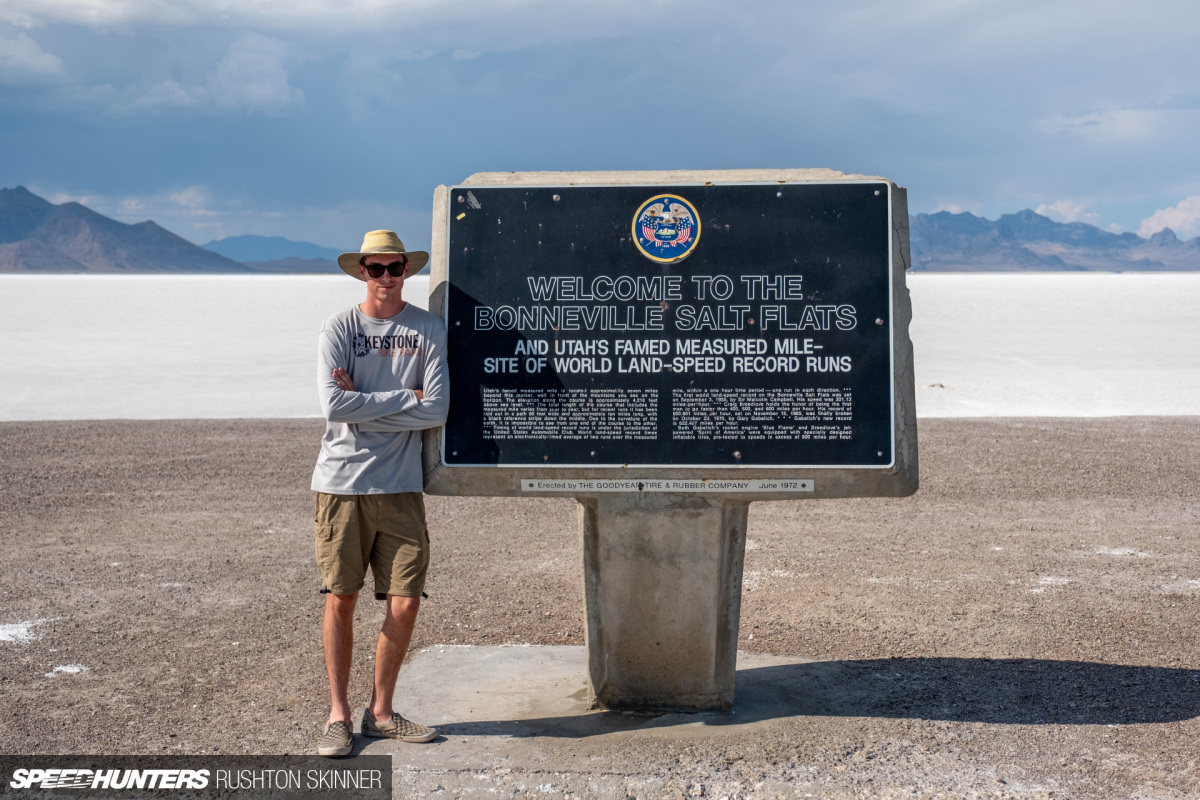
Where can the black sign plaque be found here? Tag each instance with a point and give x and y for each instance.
(729, 325)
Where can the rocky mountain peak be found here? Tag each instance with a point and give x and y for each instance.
(1165, 236)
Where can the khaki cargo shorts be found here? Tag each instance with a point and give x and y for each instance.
(386, 531)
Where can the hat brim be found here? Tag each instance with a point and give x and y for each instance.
(417, 259)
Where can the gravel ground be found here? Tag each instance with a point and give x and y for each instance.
(1024, 626)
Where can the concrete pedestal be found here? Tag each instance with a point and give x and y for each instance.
(663, 593)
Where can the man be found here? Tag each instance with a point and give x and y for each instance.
(381, 374)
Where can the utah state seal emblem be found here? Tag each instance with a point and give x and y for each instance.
(666, 228)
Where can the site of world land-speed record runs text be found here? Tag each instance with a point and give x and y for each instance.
(768, 344)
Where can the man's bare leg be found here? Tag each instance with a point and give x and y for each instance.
(337, 631)
(390, 650)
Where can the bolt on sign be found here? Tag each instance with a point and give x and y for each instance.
(698, 323)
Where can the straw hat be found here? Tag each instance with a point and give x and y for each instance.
(377, 243)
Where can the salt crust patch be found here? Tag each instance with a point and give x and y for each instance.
(1120, 551)
(1182, 586)
(753, 579)
(21, 632)
(69, 669)
(1049, 580)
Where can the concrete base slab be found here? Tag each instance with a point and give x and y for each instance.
(478, 690)
(515, 719)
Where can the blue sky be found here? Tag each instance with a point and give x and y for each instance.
(320, 120)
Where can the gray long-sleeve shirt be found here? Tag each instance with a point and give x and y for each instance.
(372, 441)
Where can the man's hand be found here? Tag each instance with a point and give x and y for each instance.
(343, 380)
(420, 395)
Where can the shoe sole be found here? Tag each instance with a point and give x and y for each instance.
(377, 734)
(335, 752)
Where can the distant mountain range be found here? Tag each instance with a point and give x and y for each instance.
(39, 236)
(1028, 242)
(269, 248)
(276, 254)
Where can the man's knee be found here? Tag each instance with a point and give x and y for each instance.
(341, 605)
(402, 607)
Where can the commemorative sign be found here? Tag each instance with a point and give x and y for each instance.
(692, 325)
(667, 348)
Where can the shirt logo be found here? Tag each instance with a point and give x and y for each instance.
(405, 344)
(666, 228)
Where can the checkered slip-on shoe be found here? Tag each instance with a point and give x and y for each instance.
(336, 740)
(396, 728)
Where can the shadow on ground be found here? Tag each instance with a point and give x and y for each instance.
(1004, 692)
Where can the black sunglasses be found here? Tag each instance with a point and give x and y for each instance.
(395, 269)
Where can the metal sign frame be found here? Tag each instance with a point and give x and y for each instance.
(884, 184)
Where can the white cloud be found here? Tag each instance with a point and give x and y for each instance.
(1068, 211)
(132, 206)
(1103, 127)
(252, 76)
(102, 13)
(1121, 126)
(22, 60)
(169, 94)
(58, 198)
(192, 200)
(320, 16)
(1183, 218)
(366, 82)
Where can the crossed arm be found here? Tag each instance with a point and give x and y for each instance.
(347, 385)
(390, 411)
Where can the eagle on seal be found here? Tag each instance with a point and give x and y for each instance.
(666, 225)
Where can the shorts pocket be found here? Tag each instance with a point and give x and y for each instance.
(326, 507)
(339, 558)
(326, 531)
(327, 545)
